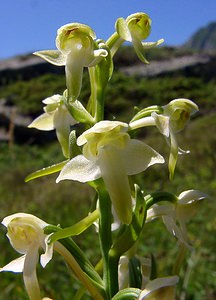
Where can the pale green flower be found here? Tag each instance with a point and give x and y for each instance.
(26, 235)
(110, 153)
(77, 49)
(174, 118)
(175, 216)
(56, 116)
(169, 119)
(136, 28)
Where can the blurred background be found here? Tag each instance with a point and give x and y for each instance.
(183, 67)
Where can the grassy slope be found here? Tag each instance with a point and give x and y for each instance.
(58, 203)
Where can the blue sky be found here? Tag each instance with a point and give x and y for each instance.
(31, 25)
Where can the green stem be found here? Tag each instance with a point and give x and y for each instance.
(99, 105)
(180, 258)
(110, 266)
(114, 42)
(158, 197)
(96, 102)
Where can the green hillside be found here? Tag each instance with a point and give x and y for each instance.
(56, 203)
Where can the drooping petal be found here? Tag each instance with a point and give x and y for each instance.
(74, 73)
(113, 171)
(80, 169)
(143, 157)
(15, 265)
(62, 121)
(138, 47)
(173, 154)
(29, 273)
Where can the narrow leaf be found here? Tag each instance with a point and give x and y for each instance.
(46, 171)
(77, 228)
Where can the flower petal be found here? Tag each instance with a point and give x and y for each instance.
(143, 157)
(162, 123)
(123, 30)
(149, 45)
(28, 217)
(54, 57)
(43, 122)
(101, 127)
(15, 265)
(29, 273)
(116, 180)
(80, 169)
(157, 211)
(47, 256)
(190, 196)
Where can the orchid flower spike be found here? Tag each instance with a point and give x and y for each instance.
(110, 153)
(77, 49)
(136, 28)
(174, 118)
(175, 216)
(26, 235)
(56, 116)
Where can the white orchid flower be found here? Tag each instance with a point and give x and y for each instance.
(160, 288)
(76, 49)
(175, 216)
(136, 28)
(110, 153)
(26, 235)
(56, 116)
